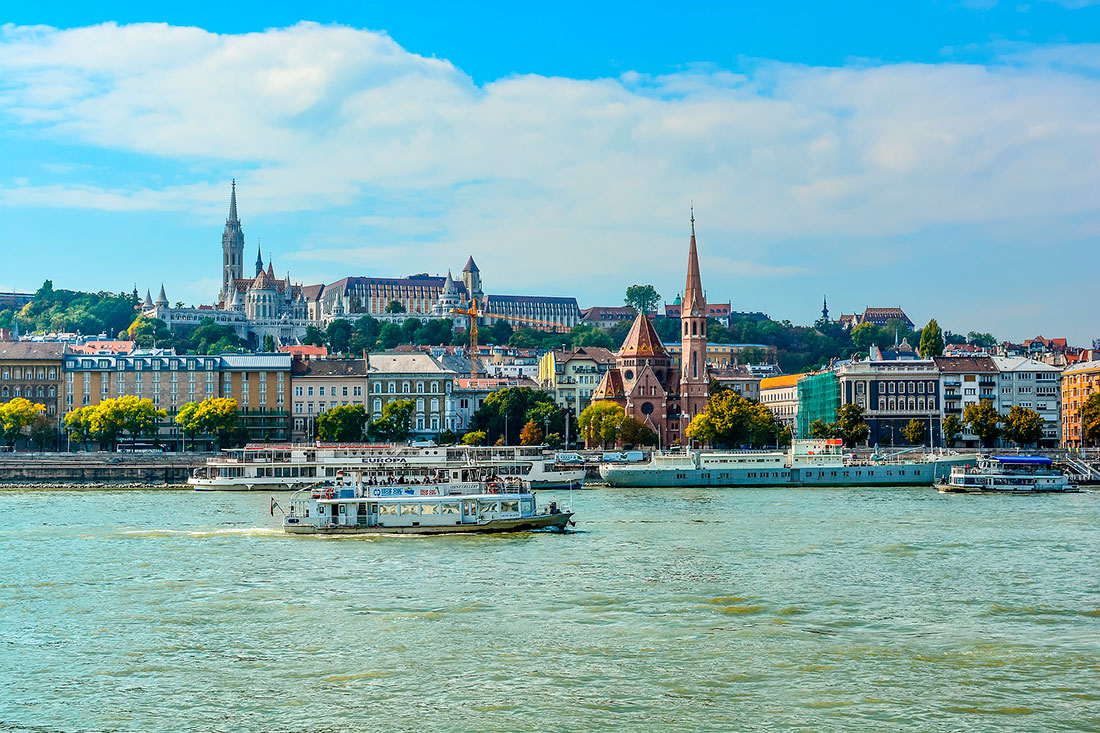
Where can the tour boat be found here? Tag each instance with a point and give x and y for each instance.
(453, 500)
(1007, 475)
(805, 463)
(270, 467)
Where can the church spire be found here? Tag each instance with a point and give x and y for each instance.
(694, 303)
(824, 309)
(259, 258)
(233, 202)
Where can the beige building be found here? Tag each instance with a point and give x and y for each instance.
(416, 377)
(321, 384)
(572, 376)
(32, 371)
(739, 379)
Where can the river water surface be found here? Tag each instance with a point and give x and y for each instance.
(716, 609)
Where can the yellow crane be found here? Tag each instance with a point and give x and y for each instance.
(474, 314)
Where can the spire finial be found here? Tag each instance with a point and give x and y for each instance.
(693, 217)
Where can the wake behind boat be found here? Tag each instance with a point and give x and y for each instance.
(806, 463)
(455, 501)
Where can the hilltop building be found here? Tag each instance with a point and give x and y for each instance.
(874, 316)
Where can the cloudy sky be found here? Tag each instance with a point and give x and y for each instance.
(944, 157)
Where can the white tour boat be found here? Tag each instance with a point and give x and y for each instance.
(817, 462)
(453, 500)
(269, 467)
(1007, 475)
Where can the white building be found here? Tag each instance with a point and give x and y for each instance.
(416, 377)
(965, 381)
(780, 396)
(319, 385)
(1035, 385)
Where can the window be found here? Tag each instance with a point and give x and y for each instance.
(420, 404)
(321, 391)
(309, 390)
(393, 388)
(420, 388)
(435, 404)
(435, 387)
(378, 404)
(344, 391)
(298, 391)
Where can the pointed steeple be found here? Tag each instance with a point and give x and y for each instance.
(233, 203)
(162, 299)
(471, 266)
(148, 299)
(270, 270)
(824, 309)
(694, 303)
(259, 257)
(642, 340)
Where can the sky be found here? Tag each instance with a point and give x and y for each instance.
(939, 156)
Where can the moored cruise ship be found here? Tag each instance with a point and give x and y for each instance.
(806, 463)
(290, 467)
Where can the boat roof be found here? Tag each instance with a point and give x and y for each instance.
(1026, 460)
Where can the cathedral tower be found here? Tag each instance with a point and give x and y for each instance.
(694, 381)
(232, 250)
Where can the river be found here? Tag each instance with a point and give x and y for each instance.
(721, 609)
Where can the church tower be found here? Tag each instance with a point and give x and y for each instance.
(471, 278)
(232, 250)
(694, 381)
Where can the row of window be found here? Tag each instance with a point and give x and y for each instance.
(38, 373)
(28, 391)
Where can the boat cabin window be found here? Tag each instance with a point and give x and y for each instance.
(448, 508)
(409, 510)
(343, 509)
(387, 509)
(429, 509)
(489, 506)
(509, 506)
(528, 505)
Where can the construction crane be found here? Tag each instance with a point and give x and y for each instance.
(474, 314)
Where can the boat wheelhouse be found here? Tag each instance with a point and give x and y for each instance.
(805, 463)
(1007, 475)
(471, 500)
(285, 467)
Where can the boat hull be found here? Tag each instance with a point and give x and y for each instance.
(904, 474)
(518, 524)
(945, 488)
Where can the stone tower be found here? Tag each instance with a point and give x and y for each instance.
(232, 250)
(471, 278)
(694, 381)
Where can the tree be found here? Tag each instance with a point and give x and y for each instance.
(17, 416)
(365, 335)
(931, 340)
(820, 429)
(447, 437)
(474, 437)
(499, 333)
(139, 416)
(216, 416)
(951, 427)
(314, 337)
(78, 423)
(269, 343)
(733, 421)
(702, 430)
(389, 336)
(338, 336)
(637, 433)
(149, 332)
(504, 413)
(394, 306)
(531, 434)
(1023, 426)
(976, 338)
(343, 424)
(396, 422)
(866, 335)
(585, 335)
(916, 432)
(185, 418)
(644, 298)
(850, 425)
(984, 421)
(600, 422)
(1090, 420)
(42, 431)
(107, 423)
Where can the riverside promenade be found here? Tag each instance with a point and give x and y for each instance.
(97, 469)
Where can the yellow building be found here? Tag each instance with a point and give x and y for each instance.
(1079, 382)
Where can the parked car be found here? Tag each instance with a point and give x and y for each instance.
(568, 458)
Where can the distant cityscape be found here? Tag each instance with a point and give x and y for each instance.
(288, 352)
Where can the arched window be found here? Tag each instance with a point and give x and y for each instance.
(912, 404)
(893, 404)
(694, 365)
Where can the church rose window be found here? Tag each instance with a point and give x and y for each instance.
(629, 374)
(647, 408)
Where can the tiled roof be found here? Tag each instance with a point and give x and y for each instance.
(965, 364)
(597, 354)
(329, 368)
(390, 363)
(642, 340)
(531, 299)
(787, 380)
(610, 387)
(32, 350)
(256, 361)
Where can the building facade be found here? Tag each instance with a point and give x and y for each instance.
(416, 377)
(780, 396)
(32, 371)
(318, 385)
(1037, 386)
(1079, 382)
(572, 376)
(966, 381)
(892, 393)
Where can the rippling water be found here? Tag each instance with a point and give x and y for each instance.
(667, 610)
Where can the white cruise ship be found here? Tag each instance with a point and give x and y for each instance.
(1007, 475)
(269, 467)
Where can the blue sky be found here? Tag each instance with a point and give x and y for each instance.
(940, 156)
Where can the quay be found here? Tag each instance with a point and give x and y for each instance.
(101, 469)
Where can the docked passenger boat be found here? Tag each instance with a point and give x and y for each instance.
(453, 500)
(805, 463)
(1007, 475)
(269, 467)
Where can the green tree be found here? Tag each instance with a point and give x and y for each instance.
(916, 432)
(734, 421)
(42, 432)
(850, 425)
(447, 437)
(108, 423)
(269, 343)
(600, 423)
(585, 335)
(952, 428)
(931, 340)
(389, 336)
(474, 437)
(17, 416)
(314, 337)
(504, 413)
(1090, 420)
(396, 422)
(139, 416)
(984, 421)
(365, 335)
(343, 424)
(866, 335)
(976, 338)
(1023, 426)
(635, 432)
(338, 336)
(149, 332)
(643, 298)
(820, 429)
(499, 333)
(395, 306)
(217, 416)
(702, 429)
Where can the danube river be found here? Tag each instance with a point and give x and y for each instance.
(667, 610)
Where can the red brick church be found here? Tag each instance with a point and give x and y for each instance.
(644, 380)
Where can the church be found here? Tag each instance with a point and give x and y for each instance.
(644, 381)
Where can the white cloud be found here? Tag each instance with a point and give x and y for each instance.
(555, 172)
